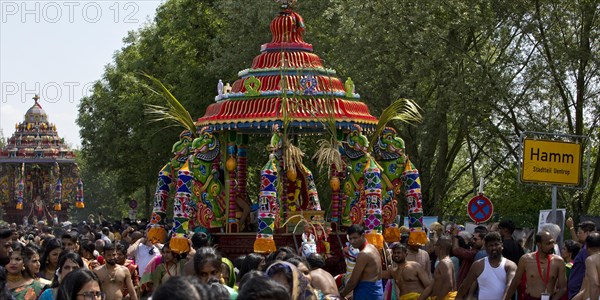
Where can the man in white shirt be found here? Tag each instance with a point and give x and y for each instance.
(494, 273)
(142, 251)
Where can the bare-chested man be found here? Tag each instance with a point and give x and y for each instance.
(113, 277)
(409, 276)
(494, 273)
(590, 288)
(321, 279)
(444, 285)
(365, 281)
(545, 271)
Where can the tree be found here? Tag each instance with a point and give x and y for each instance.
(483, 72)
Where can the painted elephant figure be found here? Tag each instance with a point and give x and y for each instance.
(363, 187)
(355, 150)
(166, 177)
(398, 172)
(207, 184)
(389, 151)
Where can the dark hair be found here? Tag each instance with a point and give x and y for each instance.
(587, 226)
(492, 237)
(355, 228)
(177, 256)
(121, 247)
(179, 288)
(4, 291)
(28, 252)
(71, 236)
(507, 224)
(400, 246)
(109, 247)
(88, 245)
(315, 261)
(74, 282)
(199, 240)
(62, 259)
(482, 230)
(47, 229)
(250, 263)
(206, 255)
(260, 287)
(6, 233)
(297, 260)
(18, 247)
(593, 240)
(238, 262)
(573, 247)
(217, 291)
(49, 245)
(248, 276)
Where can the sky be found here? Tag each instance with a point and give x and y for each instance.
(57, 49)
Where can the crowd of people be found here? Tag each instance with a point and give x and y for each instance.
(102, 260)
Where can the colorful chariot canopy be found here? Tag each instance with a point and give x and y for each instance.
(36, 140)
(287, 81)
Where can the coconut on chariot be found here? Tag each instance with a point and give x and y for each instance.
(285, 94)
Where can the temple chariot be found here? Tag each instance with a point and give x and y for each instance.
(285, 94)
(39, 178)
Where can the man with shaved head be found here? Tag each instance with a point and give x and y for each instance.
(545, 271)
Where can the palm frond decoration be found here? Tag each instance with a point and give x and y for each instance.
(173, 112)
(404, 110)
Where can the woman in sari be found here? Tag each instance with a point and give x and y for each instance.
(32, 263)
(170, 265)
(295, 282)
(207, 266)
(67, 262)
(19, 281)
(52, 248)
(228, 273)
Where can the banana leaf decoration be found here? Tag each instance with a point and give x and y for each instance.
(404, 110)
(174, 112)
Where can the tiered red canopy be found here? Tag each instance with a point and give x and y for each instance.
(290, 75)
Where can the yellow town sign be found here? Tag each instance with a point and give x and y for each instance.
(553, 162)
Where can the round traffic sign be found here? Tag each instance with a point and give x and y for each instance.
(480, 208)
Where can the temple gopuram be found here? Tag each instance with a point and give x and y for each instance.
(39, 178)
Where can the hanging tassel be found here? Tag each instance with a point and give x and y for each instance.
(391, 233)
(179, 244)
(58, 196)
(79, 197)
(417, 238)
(157, 234)
(375, 239)
(264, 245)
